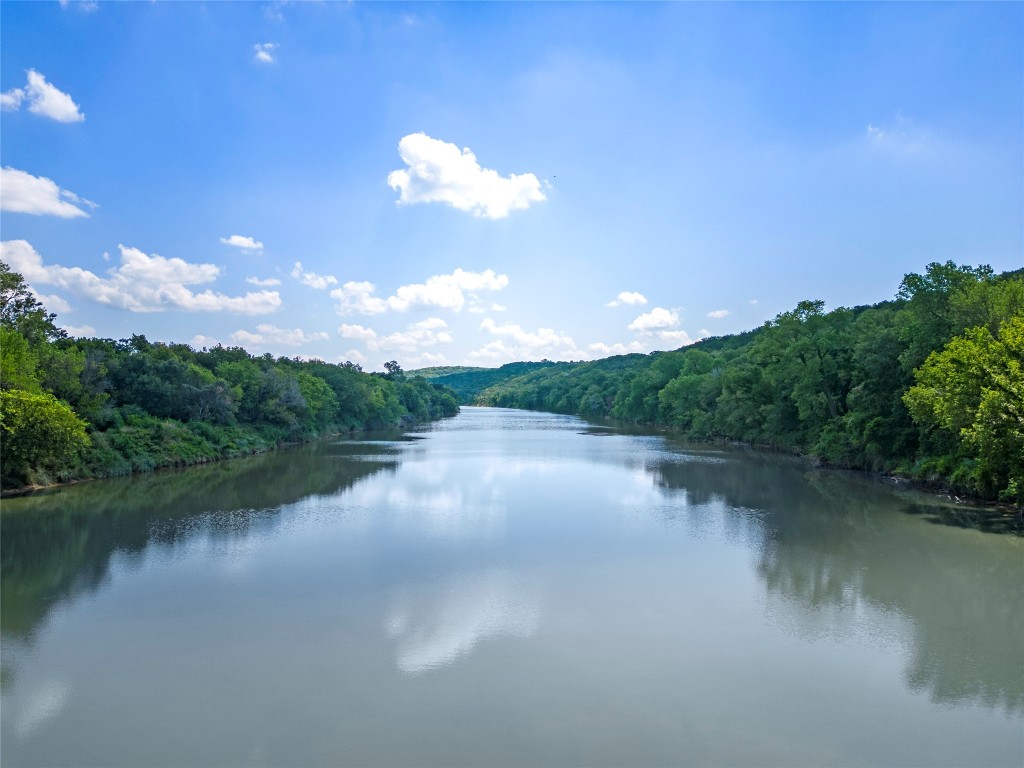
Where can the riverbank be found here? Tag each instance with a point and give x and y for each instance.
(957, 506)
(150, 445)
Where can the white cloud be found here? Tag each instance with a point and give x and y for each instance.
(199, 341)
(443, 291)
(426, 333)
(516, 343)
(312, 279)
(901, 137)
(271, 334)
(22, 192)
(78, 331)
(264, 283)
(265, 52)
(43, 99)
(85, 6)
(703, 332)
(627, 297)
(600, 349)
(353, 356)
(359, 332)
(140, 283)
(439, 172)
(10, 101)
(498, 308)
(245, 243)
(53, 302)
(680, 338)
(753, 301)
(656, 319)
(719, 313)
(424, 360)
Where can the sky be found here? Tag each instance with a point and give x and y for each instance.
(474, 184)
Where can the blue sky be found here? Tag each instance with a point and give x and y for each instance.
(479, 183)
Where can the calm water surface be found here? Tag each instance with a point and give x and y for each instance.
(506, 588)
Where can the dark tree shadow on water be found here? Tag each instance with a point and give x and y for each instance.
(828, 541)
(58, 545)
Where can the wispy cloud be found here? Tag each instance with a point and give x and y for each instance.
(140, 283)
(600, 349)
(719, 313)
(265, 283)
(43, 99)
(441, 291)
(270, 334)
(439, 172)
(312, 279)
(21, 192)
(246, 244)
(264, 52)
(85, 6)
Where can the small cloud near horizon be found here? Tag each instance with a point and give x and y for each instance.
(627, 297)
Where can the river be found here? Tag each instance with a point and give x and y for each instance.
(506, 588)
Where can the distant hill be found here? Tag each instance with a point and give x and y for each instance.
(468, 381)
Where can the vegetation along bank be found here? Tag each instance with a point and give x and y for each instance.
(84, 408)
(928, 386)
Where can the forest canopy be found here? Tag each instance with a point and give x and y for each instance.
(928, 385)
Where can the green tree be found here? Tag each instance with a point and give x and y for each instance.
(38, 435)
(21, 311)
(19, 365)
(974, 389)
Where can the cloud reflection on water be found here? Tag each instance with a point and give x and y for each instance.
(437, 624)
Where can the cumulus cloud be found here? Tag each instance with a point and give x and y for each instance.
(352, 356)
(312, 279)
(627, 297)
(425, 333)
(719, 313)
(516, 343)
(439, 172)
(264, 52)
(140, 283)
(43, 99)
(247, 244)
(22, 192)
(658, 318)
(359, 332)
(263, 283)
(52, 302)
(442, 291)
(271, 334)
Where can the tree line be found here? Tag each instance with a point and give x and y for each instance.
(927, 386)
(75, 408)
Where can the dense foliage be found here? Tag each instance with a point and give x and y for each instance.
(467, 381)
(928, 385)
(98, 407)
